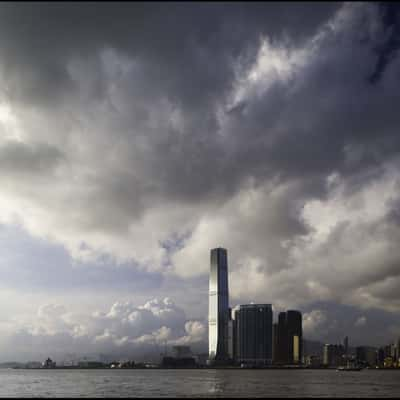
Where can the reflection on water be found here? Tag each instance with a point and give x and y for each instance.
(218, 383)
(198, 383)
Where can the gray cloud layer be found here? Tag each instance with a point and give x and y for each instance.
(150, 133)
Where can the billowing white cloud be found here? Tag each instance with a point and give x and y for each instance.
(124, 329)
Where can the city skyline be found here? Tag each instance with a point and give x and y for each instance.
(235, 333)
(245, 335)
(135, 137)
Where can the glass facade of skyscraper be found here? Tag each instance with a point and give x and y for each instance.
(253, 323)
(218, 306)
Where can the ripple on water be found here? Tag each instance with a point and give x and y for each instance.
(198, 383)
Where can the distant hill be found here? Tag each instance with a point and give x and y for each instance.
(315, 348)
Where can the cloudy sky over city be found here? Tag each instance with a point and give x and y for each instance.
(135, 137)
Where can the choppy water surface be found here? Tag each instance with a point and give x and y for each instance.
(198, 383)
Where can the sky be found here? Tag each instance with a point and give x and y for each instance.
(135, 137)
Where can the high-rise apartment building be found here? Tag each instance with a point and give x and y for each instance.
(253, 324)
(367, 356)
(295, 336)
(281, 340)
(275, 343)
(219, 311)
(289, 338)
(333, 355)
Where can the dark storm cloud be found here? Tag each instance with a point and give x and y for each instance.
(325, 119)
(189, 56)
(177, 39)
(186, 54)
(386, 50)
(331, 121)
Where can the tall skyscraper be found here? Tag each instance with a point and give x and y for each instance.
(218, 315)
(254, 334)
(346, 346)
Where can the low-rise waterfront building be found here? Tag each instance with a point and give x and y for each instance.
(333, 355)
(49, 363)
(366, 356)
(313, 361)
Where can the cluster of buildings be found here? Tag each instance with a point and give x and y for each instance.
(181, 357)
(336, 355)
(246, 335)
(388, 356)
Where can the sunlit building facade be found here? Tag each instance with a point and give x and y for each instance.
(219, 313)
